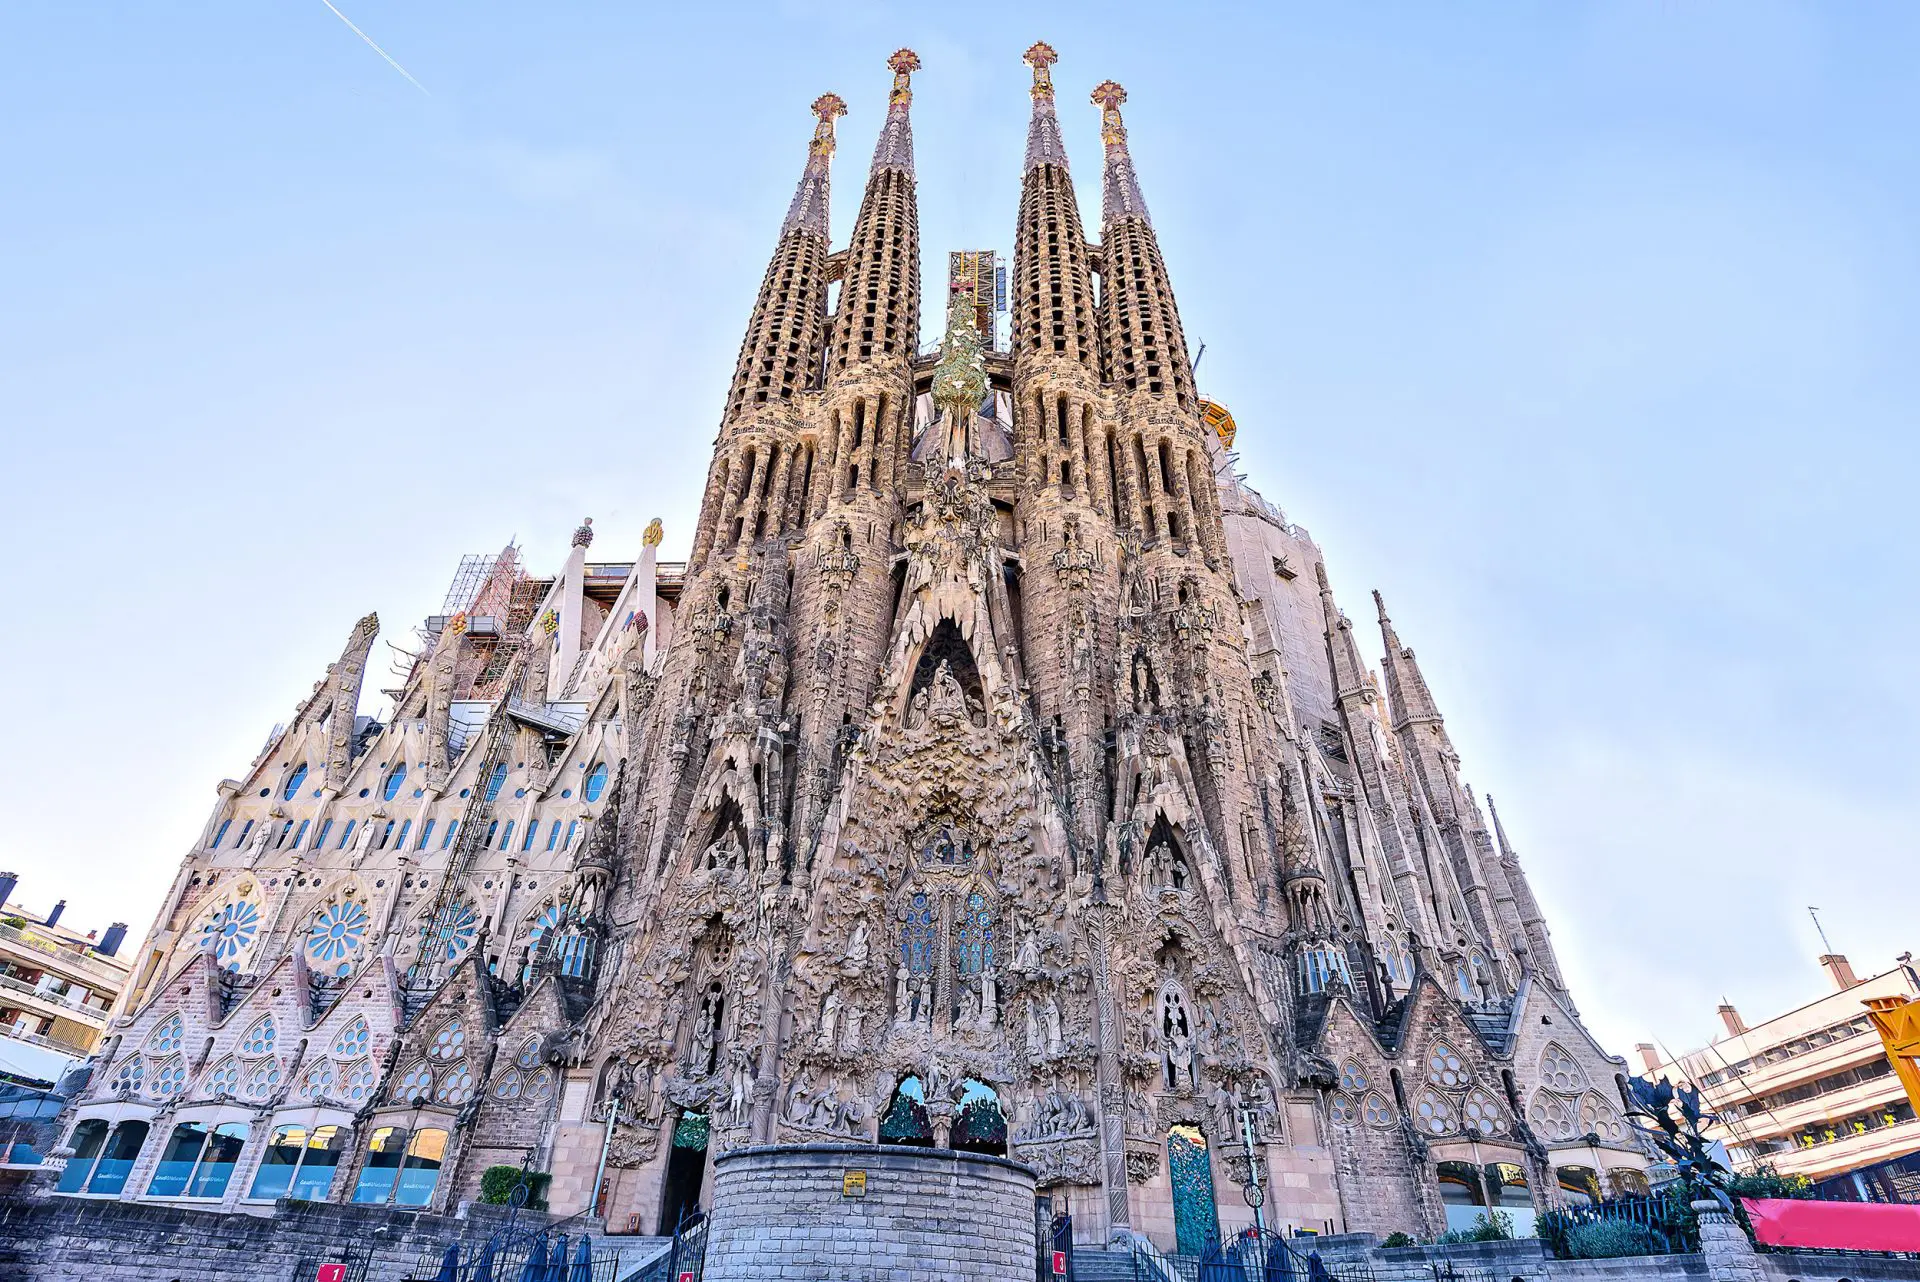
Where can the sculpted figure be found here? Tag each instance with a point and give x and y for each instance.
(850, 1029)
(856, 954)
(800, 1099)
(902, 995)
(1034, 1044)
(1050, 1011)
(1027, 960)
(829, 1017)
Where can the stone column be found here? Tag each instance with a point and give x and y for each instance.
(1729, 1254)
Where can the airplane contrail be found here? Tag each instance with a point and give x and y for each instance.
(376, 48)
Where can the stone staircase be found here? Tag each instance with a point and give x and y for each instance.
(1093, 1265)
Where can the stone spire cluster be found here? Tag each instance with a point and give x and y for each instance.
(998, 772)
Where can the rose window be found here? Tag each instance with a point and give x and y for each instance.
(230, 931)
(446, 940)
(337, 932)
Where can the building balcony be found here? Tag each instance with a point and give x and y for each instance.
(54, 1005)
(47, 1041)
(64, 960)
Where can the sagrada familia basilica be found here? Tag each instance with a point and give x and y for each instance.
(996, 773)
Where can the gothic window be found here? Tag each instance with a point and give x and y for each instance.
(452, 936)
(916, 937)
(318, 1082)
(974, 953)
(336, 933)
(395, 777)
(540, 1085)
(449, 1041)
(981, 1126)
(508, 1087)
(169, 1079)
(595, 785)
(1353, 1078)
(294, 780)
(263, 1080)
(416, 1086)
(225, 1078)
(229, 931)
(1482, 1114)
(529, 1056)
(1558, 1070)
(356, 1082)
(1597, 1117)
(906, 1120)
(1376, 1110)
(572, 949)
(496, 779)
(1444, 1067)
(1552, 1117)
(1322, 967)
(1343, 1111)
(1433, 1113)
(456, 1085)
(167, 1037)
(1463, 983)
(353, 1039)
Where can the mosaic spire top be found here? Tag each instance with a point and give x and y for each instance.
(809, 208)
(895, 148)
(1044, 146)
(1121, 196)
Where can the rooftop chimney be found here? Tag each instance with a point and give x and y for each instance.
(110, 945)
(1649, 1058)
(53, 918)
(7, 882)
(1731, 1018)
(1840, 971)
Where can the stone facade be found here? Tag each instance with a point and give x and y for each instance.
(912, 1215)
(997, 772)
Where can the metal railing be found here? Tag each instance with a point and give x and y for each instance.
(67, 955)
(1666, 1224)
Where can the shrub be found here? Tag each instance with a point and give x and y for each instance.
(1609, 1238)
(1488, 1226)
(1397, 1238)
(497, 1184)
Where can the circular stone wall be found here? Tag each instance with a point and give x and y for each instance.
(862, 1212)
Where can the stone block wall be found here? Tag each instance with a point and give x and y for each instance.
(926, 1216)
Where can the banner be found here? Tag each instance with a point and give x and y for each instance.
(1854, 1226)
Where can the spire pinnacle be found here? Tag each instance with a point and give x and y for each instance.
(1044, 145)
(1121, 188)
(808, 211)
(895, 148)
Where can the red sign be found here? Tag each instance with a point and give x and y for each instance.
(1859, 1226)
(687, 1276)
(331, 1273)
(1059, 1264)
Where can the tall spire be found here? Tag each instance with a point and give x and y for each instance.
(1406, 686)
(1121, 196)
(895, 148)
(1044, 146)
(808, 212)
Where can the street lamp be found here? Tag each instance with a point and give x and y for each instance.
(609, 1114)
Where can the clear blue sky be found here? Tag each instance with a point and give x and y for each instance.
(1585, 332)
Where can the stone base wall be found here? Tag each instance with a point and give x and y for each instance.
(924, 1215)
(64, 1239)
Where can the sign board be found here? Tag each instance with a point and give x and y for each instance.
(1254, 1194)
(687, 1276)
(853, 1184)
(331, 1273)
(1059, 1264)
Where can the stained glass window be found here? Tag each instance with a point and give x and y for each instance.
(449, 1041)
(337, 932)
(395, 777)
(169, 1079)
(498, 777)
(319, 1081)
(167, 1037)
(595, 785)
(415, 1086)
(1343, 1111)
(916, 938)
(1483, 1115)
(356, 1082)
(230, 931)
(260, 1038)
(263, 1080)
(455, 935)
(456, 1084)
(294, 780)
(508, 1087)
(225, 1078)
(1558, 1070)
(353, 1040)
(1433, 1113)
(128, 1077)
(975, 953)
(1376, 1110)
(1444, 1067)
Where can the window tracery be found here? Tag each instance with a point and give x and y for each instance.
(416, 1086)
(263, 1080)
(1343, 1110)
(1559, 1070)
(449, 1041)
(357, 1081)
(130, 1076)
(353, 1039)
(1597, 1117)
(337, 932)
(168, 1079)
(317, 1082)
(1376, 1110)
(1444, 1067)
(455, 1085)
(1433, 1112)
(1353, 1078)
(260, 1038)
(1483, 1116)
(1552, 1116)
(167, 1036)
(225, 1078)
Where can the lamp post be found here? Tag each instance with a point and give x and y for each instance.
(1255, 1195)
(609, 1113)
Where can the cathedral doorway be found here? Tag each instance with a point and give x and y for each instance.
(981, 1126)
(1196, 1220)
(906, 1120)
(686, 1169)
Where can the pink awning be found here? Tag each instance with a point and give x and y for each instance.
(1858, 1226)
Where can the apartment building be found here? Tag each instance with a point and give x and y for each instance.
(1810, 1092)
(57, 986)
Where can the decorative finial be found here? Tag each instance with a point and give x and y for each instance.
(550, 622)
(1380, 606)
(809, 207)
(1040, 57)
(653, 535)
(584, 535)
(904, 63)
(826, 107)
(1108, 95)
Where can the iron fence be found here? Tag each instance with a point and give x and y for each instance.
(1655, 1225)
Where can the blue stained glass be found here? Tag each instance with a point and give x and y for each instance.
(221, 836)
(916, 940)
(395, 777)
(553, 834)
(230, 930)
(456, 934)
(976, 936)
(448, 839)
(320, 840)
(405, 828)
(302, 834)
(506, 836)
(533, 830)
(426, 835)
(337, 931)
(294, 780)
(498, 778)
(596, 783)
(346, 834)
